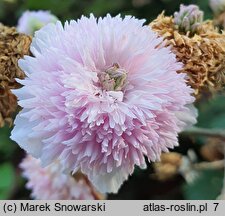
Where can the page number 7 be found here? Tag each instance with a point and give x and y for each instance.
(216, 205)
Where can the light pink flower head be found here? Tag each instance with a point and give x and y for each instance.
(50, 183)
(31, 21)
(100, 95)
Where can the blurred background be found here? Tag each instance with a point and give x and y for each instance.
(144, 184)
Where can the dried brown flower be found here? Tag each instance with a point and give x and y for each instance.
(13, 46)
(168, 166)
(213, 150)
(202, 54)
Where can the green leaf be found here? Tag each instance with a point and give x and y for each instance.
(211, 113)
(7, 180)
(219, 121)
(7, 146)
(207, 186)
(204, 5)
(57, 7)
(100, 7)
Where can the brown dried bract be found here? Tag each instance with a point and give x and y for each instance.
(202, 54)
(13, 46)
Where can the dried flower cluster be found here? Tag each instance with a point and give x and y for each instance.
(13, 46)
(173, 163)
(202, 54)
(51, 183)
(168, 166)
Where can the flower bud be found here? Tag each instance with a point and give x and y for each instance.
(32, 21)
(188, 18)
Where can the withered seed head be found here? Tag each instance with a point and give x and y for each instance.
(202, 54)
(13, 46)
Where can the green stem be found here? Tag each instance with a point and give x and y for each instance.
(209, 165)
(195, 131)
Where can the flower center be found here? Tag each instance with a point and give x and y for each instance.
(113, 78)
